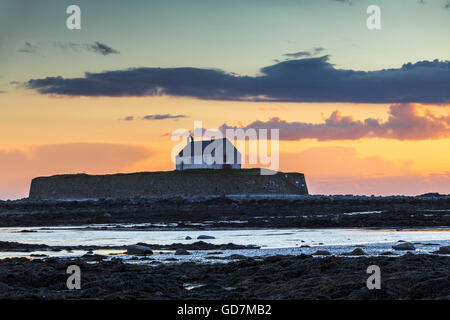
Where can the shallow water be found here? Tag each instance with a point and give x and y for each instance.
(271, 241)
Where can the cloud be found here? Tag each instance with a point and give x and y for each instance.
(101, 48)
(303, 80)
(29, 48)
(18, 167)
(302, 54)
(96, 47)
(157, 117)
(163, 116)
(298, 54)
(405, 122)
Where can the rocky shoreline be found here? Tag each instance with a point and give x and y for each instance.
(228, 212)
(8, 246)
(410, 276)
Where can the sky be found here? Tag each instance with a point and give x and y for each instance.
(359, 111)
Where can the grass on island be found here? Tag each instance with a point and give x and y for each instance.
(252, 171)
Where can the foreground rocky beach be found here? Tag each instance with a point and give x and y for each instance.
(431, 210)
(31, 269)
(410, 276)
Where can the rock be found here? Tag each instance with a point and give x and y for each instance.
(236, 256)
(93, 257)
(182, 252)
(139, 249)
(4, 287)
(214, 257)
(202, 237)
(443, 250)
(357, 252)
(404, 246)
(322, 253)
(188, 238)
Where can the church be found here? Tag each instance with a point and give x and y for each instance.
(208, 154)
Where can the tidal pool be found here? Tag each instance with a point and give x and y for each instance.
(271, 241)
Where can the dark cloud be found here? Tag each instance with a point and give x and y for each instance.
(101, 48)
(157, 117)
(302, 54)
(299, 54)
(68, 46)
(29, 48)
(163, 116)
(405, 122)
(318, 50)
(96, 47)
(303, 80)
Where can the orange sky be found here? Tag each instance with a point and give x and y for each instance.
(42, 135)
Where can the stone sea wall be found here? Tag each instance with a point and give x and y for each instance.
(170, 183)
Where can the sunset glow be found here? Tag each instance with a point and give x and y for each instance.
(51, 133)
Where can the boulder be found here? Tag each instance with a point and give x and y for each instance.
(443, 250)
(404, 246)
(188, 238)
(322, 253)
(182, 252)
(139, 249)
(203, 237)
(357, 252)
(236, 256)
(93, 257)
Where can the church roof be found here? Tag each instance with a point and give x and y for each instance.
(201, 145)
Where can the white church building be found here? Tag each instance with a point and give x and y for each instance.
(208, 154)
